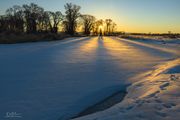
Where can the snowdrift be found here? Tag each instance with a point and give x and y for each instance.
(156, 96)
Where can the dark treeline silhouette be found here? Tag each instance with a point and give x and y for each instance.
(30, 19)
(34, 19)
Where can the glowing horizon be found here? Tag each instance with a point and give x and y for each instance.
(143, 16)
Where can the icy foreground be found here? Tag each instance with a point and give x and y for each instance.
(57, 80)
(155, 97)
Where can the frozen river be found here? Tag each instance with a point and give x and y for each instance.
(58, 79)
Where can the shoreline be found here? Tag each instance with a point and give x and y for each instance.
(103, 104)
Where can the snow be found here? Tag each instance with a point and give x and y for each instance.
(154, 38)
(156, 96)
(57, 80)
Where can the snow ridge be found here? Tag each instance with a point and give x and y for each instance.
(155, 97)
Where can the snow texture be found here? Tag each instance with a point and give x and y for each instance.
(155, 96)
(57, 80)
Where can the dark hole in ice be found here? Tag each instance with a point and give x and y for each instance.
(104, 104)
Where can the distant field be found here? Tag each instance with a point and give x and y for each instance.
(153, 37)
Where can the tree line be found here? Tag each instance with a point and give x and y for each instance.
(33, 18)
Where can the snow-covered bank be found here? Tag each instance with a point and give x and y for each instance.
(155, 97)
(163, 39)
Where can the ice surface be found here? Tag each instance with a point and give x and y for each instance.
(57, 80)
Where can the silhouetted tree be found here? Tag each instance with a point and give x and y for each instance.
(96, 26)
(32, 13)
(113, 27)
(71, 15)
(14, 18)
(55, 19)
(46, 22)
(42, 22)
(88, 22)
(108, 23)
(4, 23)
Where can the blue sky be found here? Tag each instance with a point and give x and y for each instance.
(130, 15)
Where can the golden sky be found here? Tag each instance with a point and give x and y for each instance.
(155, 16)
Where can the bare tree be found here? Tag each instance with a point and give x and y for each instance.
(3, 23)
(14, 18)
(72, 14)
(42, 22)
(96, 26)
(55, 19)
(32, 13)
(108, 23)
(113, 27)
(88, 22)
(46, 22)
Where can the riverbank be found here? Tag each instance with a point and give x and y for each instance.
(155, 96)
(12, 38)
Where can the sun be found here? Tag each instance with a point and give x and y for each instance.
(101, 28)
